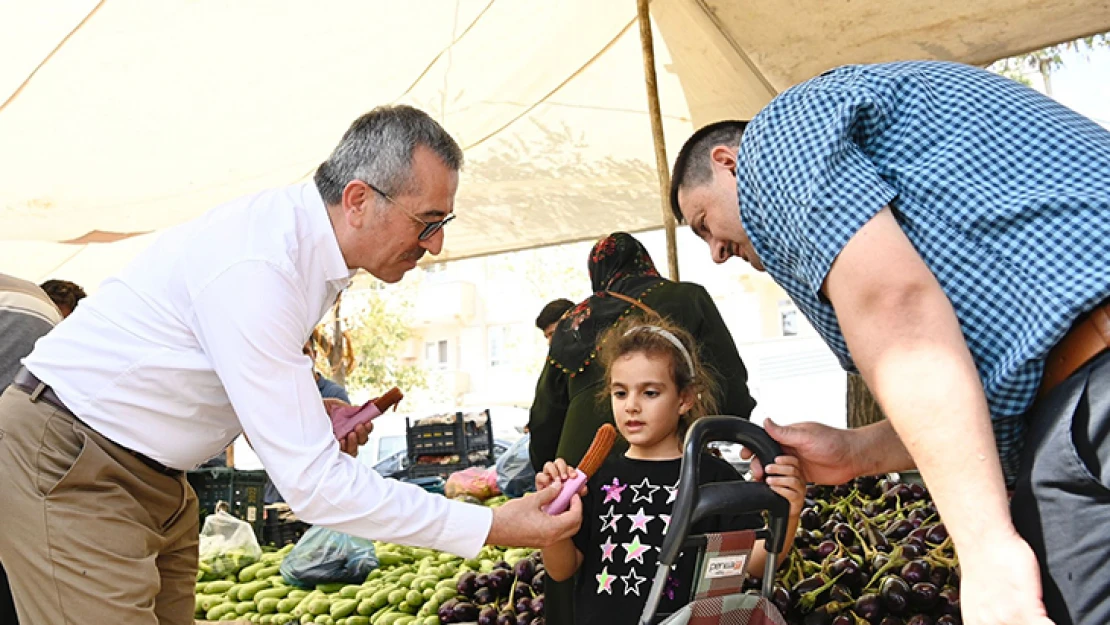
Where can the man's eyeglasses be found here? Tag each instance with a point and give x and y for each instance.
(430, 227)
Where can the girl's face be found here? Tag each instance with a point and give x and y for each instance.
(647, 405)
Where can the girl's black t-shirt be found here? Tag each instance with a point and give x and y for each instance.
(625, 514)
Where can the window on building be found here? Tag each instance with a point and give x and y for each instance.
(435, 354)
(498, 356)
(505, 344)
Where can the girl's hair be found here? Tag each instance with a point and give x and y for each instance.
(651, 335)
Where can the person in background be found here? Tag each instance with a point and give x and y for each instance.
(26, 314)
(64, 294)
(566, 412)
(329, 389)
(947, 232)
(550, 315)
(198, 340)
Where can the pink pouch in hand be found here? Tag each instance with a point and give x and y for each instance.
(346, 418)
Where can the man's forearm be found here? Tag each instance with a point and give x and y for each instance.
(919, 367)
(946, 427)
(906, 340)
(878, 449)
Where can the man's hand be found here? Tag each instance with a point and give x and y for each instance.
(825, 453)
(990, 598)
(834, 456)
(521, 522)
(358, 437)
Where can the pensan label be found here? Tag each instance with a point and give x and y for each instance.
(725, 566)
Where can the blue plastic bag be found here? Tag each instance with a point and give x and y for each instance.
(515, 475)
(323, 555)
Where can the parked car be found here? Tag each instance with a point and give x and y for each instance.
(396, 465)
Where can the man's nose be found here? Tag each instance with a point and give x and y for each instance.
(434, 244)
(719, 251)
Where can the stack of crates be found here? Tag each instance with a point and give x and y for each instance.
(281, 527)
(472, 445)
(242, 490)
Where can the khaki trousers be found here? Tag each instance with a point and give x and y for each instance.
(88, 532)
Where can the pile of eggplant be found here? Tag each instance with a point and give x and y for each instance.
(507, 595)
(872, 551)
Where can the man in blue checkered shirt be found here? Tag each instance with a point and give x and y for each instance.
(942, 228)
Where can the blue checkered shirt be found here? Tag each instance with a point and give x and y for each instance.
(1003, 192)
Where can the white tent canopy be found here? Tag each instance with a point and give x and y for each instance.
(125, 117)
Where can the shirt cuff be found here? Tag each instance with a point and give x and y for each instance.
(466, 529)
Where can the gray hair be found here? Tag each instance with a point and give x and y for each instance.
(378, 148)
(692, 167)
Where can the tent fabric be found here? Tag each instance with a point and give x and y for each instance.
(121, 118)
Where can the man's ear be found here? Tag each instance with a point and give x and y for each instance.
(354, 203)
(724, 156)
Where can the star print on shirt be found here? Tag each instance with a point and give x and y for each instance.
(609, 521)
(632, 582)
(613, 491)
(607, 549)
(605, 581)
(666, 518)
(634, 550)
(640, 495)
(672, 492)
(639, 521)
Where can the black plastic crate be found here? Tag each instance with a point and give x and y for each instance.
(242, 490)
(281, 534)
(448, 439)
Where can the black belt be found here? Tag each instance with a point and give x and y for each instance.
(39, 391)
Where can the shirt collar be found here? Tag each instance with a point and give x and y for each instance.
(335, 268)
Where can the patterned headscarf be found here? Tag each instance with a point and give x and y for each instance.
(618, 263)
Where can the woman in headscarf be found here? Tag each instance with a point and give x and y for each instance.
(566, 412)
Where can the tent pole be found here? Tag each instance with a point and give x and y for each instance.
(656, 115)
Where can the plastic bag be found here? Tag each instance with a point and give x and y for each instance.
(323, 555)
(476, 482)
(515, 475)
(226, 544)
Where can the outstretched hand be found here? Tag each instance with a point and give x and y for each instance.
(824, 453)
(523, 523)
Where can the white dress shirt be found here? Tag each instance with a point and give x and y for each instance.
(200, 338)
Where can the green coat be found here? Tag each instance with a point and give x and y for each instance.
(567, 411)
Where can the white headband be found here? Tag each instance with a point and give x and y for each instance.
(670, 337)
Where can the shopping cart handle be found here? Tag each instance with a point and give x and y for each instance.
(730, 497)
(692, 504)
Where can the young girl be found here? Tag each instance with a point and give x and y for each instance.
(657, 387)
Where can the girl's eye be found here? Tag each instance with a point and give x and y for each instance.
(619, 394)
(651, 393)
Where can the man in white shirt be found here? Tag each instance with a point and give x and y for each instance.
(199, 339)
